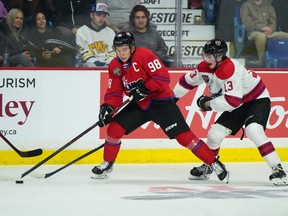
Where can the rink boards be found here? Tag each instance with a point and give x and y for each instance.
(48, 108)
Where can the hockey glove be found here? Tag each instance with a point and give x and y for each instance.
(104, 116)
(140, 92)
(201, 103)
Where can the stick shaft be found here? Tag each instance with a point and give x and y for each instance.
(59, 150)
(47, 175)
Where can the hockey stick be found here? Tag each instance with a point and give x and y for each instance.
(31, 153)
(73, 140)
(47, 175)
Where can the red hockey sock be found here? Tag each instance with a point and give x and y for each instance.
(197, 146)
(113, 141)
(203, 152)
(215, 151)
(111, 151)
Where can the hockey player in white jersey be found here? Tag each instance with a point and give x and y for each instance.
(242, 97)
(95, 40)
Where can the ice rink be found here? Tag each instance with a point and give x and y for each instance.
(142, 190)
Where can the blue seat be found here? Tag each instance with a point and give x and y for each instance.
(239, 33)
(276, 54)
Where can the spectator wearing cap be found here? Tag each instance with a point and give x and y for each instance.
(95, 40)
(119, 13)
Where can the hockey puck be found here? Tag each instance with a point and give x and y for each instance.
(19, 181)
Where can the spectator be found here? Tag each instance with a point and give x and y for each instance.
(14, 35)
(260, 20)
(146, 34)
(119, 13)
(95, 40)
(47, 54)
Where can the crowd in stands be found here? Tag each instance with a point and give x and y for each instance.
(50, 33)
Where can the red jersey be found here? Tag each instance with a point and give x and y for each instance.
(145, 65)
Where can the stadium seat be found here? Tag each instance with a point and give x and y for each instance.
(276, 54)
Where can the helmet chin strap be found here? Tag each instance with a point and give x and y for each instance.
(216, 56)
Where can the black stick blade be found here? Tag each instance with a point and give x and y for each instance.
(32, 153)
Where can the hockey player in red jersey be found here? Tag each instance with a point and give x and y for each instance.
(138, 73)
(242, 97)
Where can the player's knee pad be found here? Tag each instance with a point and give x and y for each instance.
(216, 134)
(255, 132)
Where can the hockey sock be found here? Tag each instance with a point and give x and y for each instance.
(113, 141)
(269, 154)
(215, 151)
(202, 151)
(197, 146)
(111, 151)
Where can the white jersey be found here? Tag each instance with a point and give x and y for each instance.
(230, 85)
(95, 45)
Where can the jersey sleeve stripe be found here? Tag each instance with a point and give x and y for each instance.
(233, 101)
(184, 84)
(255, 92)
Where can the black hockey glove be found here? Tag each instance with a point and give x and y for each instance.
(104, 116)
(201, 103)
(140, 92)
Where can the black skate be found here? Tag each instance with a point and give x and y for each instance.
(278, 176)
(220, 170)
(202, 172)
(102, 170)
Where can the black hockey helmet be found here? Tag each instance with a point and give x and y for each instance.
(124, 38)
(215, 46)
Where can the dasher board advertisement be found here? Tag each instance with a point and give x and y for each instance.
(47, 108)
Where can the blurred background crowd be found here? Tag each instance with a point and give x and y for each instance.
(79, 33)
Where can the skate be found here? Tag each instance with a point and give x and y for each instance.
(278, 176)
(220, 170)
(202, 172)
(103, 170)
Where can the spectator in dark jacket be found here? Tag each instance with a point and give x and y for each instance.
(14, 35)
(47, 54)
